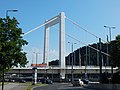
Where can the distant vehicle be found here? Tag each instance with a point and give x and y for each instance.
(18, 80)
(46, 81)
(85, 78)
(22, 81)
(12, 80)
(85, 81)
(77, 82)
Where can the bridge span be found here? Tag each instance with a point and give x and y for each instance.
(54, 71)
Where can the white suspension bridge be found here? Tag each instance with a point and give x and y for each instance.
(62, 70)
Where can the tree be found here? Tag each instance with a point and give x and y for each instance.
(115, 51)
(11, 42)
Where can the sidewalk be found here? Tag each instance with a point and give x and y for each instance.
(14, 86)
(99, 86)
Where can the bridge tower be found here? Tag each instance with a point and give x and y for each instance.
(61, 20)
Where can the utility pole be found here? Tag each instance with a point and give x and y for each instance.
(100, 59)
(79, 58)
(36, 68)
(110, 28)
(86, 59)
(72, 60)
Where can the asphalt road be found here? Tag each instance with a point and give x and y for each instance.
(14, 86)
(60, 86)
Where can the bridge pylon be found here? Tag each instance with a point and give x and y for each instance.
(60, 19)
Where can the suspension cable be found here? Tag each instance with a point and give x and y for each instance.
(39, 26)
(82, 28)
(68, 34)
(82, 42)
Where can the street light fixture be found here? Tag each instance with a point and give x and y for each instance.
(7, 16)
(6, 27)
(14, 10)
(110, 28)
(72, 58)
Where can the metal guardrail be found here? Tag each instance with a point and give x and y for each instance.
(67, 67)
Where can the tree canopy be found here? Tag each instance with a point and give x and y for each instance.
(115, 51)
(11, 42)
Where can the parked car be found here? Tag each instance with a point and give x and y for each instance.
(22, 81)
(12, 80)
(18, 80)
(85, 81)
(77, 82)
(46, 81)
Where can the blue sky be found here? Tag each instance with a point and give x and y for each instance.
(90, 14)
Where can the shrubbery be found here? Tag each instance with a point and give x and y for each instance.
(116, 78)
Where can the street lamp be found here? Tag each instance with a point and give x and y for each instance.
(72, 58)
(7, 15)
(6, 27)
(36, 57)
(110, 28)
(35, 76)
(79, 57)
(14, 10)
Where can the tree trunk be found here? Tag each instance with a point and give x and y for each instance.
(3, 79)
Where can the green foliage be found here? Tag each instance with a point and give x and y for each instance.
(115, 51)
(116, 78)
(91, 55)
(11, 42)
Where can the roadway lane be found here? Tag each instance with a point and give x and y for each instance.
(14, 86)
(60, 86)
(9, 86)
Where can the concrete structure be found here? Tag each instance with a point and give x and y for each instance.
(61, 20)
(77, 69)
(55, 72)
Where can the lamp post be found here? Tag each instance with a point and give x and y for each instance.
(110, 28)
(3, 67)
(14, 10)
(86, 58)
(36, 57)
(79, 58)
(36, 68)
(72, 59)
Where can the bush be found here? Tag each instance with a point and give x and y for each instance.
(104, 78)
(116, 78)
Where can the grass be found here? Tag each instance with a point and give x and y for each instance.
(30, 86)
(4, 83)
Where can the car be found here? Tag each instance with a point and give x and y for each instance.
(85, 81)
(77, 82)
(12, 80)
(22, 81)
(46, 81)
